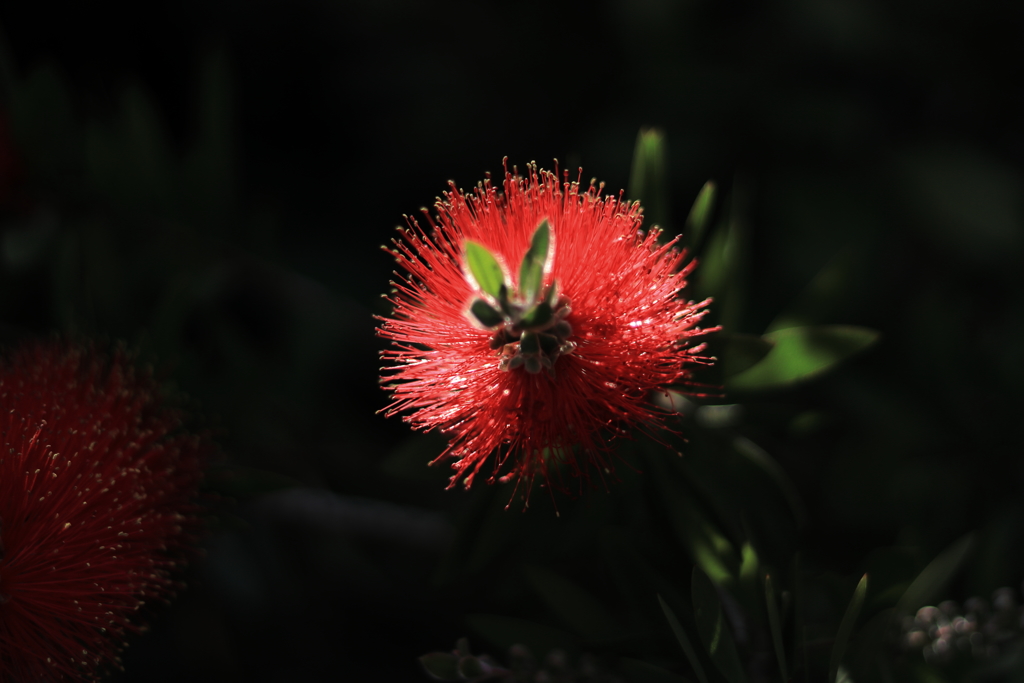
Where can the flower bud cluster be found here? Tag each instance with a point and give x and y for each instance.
(979, 630)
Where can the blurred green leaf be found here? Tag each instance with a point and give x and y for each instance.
(538, 316)
(485, 314)
(443, 666)
(684, 641)
(933, 579)
(738, 352)
(638, 671)
(723, 265)
(531, 271)
(713, 630)
(484, 268)
(775, 626)
(802, 353)
(748, 563)
(818, 301)
(846, 628)
(572, 604)
(505, 632)
(648, 180)
(700, 214)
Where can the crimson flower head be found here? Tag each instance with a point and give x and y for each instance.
(533, 325)
(97, 489)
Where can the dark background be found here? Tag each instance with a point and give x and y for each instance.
(211, 181)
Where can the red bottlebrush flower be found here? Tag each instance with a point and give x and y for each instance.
(97, 484)
(550, 365)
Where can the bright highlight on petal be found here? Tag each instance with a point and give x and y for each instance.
(532, 325)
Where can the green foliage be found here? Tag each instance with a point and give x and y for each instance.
(648, 181)
(802, 353)
(935, 578)
(485, 314)
(739, 352)
(699, 218)
(535, 262)
(484, 268)
(846, 629)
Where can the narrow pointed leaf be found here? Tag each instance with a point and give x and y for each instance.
(485, 314)
(803, 353)
(531, 271)
(738, 352)
(648, 179)
(846, 628)
(484, 268)
(441, 666)
(775, 625)
(713, 629)
(684, 642)
(700, 213)
(934, 578)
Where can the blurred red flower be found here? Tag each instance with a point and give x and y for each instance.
(534, 324)
(97, 507)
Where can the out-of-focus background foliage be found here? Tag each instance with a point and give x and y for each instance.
(212, 181)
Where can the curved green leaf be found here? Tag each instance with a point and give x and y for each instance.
(700, 213)
(934, 578)
(485, 314)
(713, 629)
(484, 268)
(531, 271)
(738, 352)
(647, 180)
(846, 628)
(538, 316)
(802, 353)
